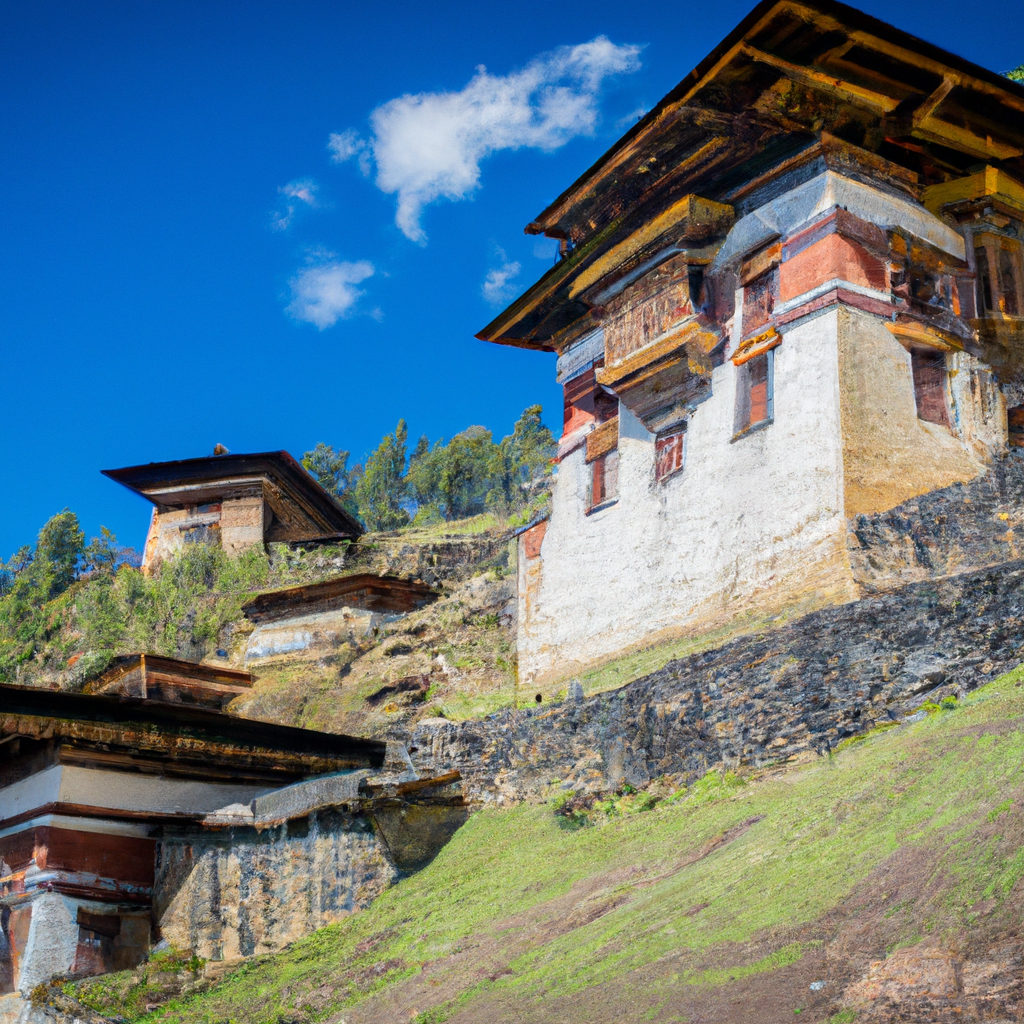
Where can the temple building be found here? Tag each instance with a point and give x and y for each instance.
(142, 811)
(791, 295)
(238, 501)
(313, 620)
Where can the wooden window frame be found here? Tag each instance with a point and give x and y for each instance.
(931, 397)
(744, 418)
(602, 460)
(669, 453)
(999, 287)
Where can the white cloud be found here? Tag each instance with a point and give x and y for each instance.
(499, 284)
(326, 291)
(303, 190)
(428, 146)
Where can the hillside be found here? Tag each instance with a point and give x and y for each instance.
(455, 657)
(878, 883)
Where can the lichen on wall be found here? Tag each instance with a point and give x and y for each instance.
(240, 891)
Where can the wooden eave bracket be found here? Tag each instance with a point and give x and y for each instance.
(691, 341)
(910, 333)
(991, 183)
(756, 345)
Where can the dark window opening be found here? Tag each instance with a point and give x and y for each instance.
(929, 369)
(1008, 282)
(1015, 425)
(669, 450)
(755, 391)
(984, 280)
(604, 478)
(759, 301)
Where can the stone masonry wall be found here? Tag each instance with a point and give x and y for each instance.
(238, 891)
(793, 690)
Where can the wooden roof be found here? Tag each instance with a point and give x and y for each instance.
(791, 73)
(303, 510)
(134, 734)
(363, 590)
(170, 681)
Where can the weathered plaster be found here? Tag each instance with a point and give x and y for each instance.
(889, 455)
(755, 519)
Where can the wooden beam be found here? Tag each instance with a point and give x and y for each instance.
(814, 79)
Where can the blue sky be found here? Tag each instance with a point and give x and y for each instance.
(185, 259)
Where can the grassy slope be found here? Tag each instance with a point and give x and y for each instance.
(690, 908)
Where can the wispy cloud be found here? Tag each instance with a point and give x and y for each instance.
(631, 118)
(304, 191)
(325, 292)
(499, 284)
(428, 146)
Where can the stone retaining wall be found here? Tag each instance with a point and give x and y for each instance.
(788, 692)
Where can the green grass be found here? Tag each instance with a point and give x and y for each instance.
(933, 785)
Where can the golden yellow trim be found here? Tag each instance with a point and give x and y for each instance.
(603, 439)
(756, 345)
(658, 352)
(909, 333)
(690, 208)
(990, 183)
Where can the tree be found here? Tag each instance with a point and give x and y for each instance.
(382, 490)
(520, 461)
(1017, 74)
(58, 550)
(331, 470)
(453, 478)
(103, 555)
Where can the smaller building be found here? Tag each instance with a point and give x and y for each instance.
(107, 798)
(169, 681)
(313, 620)
(237, 501)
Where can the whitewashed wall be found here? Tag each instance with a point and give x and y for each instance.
(761, 513)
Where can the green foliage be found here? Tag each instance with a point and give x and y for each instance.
(446, 480)
(117, 610)
(1017, 74)
(332, 472)
(520, 462)
(382, 490)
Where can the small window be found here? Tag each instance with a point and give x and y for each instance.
(984, 280)
(605, 480)
(759, 301)
(1008, 282)
(668, 454)
(929, 368)
(755, 393)
(1015, 425)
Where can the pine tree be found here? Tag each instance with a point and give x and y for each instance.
(382, 490)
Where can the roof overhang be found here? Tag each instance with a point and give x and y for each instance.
(791, 73)
(303, 508)
(363, 590)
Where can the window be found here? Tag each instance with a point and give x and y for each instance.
(669, 450)
(603, 461)
(1008, 281)
(929, 369)
(1015, 425)
(1000, 279)
(759, 301)
(605, 480)
(755, 398)
(984, 280)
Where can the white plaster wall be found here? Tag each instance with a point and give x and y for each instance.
(120, 791)
(316, 632)
(763, 513)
